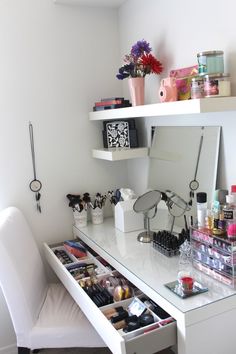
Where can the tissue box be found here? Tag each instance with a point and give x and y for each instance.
(126, 220)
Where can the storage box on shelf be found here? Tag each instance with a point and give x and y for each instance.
(112, 311)
(214, 256)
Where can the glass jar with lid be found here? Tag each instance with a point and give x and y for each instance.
(210, 62)
(197, 87)
(217, 85)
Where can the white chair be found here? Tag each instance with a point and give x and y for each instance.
(43, 315)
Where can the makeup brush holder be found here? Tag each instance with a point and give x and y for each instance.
(81, 218)
(97, 216)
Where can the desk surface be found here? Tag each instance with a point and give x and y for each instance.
(142, 262)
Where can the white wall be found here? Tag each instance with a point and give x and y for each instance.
(55, 61)
(177, 31)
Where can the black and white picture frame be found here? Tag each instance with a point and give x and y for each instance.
(118, 134)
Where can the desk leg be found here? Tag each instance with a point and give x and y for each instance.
(181, 338)
(213, 335)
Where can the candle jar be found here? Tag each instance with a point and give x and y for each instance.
(217, 85)
(197, 87)
(210, 62)
(186, 284)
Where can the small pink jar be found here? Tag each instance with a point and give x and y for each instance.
(197, 87)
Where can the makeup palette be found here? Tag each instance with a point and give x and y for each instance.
(138, 316)
(75, 248)
(63, 256)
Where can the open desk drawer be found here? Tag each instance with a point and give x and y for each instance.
(149, 342)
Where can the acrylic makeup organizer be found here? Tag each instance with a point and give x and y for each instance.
(214, 256)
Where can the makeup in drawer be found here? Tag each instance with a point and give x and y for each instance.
(148, 339)
(83, 264)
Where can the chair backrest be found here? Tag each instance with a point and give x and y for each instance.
(22, 276)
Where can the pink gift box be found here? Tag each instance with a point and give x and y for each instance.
(183, 80)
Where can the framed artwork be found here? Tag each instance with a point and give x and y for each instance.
(118, 134)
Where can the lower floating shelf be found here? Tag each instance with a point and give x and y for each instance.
(116, 154)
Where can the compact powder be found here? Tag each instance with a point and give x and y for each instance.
(146, 319)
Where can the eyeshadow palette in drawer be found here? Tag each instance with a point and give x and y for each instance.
(86, 268)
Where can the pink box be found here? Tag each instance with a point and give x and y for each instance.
(183, 80)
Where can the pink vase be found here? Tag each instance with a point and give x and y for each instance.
(136, 89)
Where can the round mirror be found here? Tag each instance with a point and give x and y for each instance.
(177, 206)
(144, 204)
(147, 201)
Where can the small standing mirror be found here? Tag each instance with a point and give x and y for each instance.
(147, 204)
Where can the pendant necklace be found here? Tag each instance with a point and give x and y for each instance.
(35, 185)
(194, 184)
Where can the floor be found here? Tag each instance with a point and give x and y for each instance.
(88, 351)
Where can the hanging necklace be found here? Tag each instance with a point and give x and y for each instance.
(35, 185)
(194, 184)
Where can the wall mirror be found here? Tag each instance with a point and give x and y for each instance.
(184, 160)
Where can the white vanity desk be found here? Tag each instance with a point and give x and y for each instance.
(205, 323)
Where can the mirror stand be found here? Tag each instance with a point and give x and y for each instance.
(172, 223)
(147, 235)
(145, 204)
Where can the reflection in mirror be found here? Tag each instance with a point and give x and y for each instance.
(176, 205)
(184, 160)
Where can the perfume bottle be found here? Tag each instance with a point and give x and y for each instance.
(229, 209)
(185, 260)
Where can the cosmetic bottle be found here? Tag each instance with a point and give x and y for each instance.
(185, 261)
(229, 209)
(219, 224)
(233, 189)
(231, 231)
(209, 221)
(220, 196)
(201, 209)
(215, 216)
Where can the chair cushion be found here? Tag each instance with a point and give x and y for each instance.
(62, 324)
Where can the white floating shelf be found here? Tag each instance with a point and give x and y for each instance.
(203, 105)
(119, 154)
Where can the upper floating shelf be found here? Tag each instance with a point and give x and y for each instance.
(203, 105)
